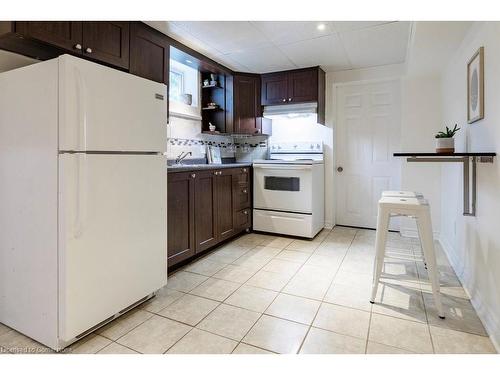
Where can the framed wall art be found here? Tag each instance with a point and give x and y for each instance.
(475, 87)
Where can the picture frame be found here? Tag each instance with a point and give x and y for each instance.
(475, 87)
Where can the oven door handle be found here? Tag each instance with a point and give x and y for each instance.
(283, 167)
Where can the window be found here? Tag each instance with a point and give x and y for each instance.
(176, 85)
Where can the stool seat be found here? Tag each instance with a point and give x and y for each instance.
(415, 207)
(403, 194)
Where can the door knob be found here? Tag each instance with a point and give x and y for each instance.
(284, 100)
(340, 169)
(289, 99)
(77, 46)
(88, 50)
(193, 175)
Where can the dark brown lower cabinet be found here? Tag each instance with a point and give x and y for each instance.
(205, 208)
(180, 217)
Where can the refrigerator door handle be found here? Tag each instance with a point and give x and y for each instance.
(81, 195)
(81, 131)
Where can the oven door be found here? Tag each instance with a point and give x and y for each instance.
(283, 187)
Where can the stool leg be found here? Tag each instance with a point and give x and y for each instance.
(380, 240)
(425, 231)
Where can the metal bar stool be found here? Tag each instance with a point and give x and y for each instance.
(412, 207)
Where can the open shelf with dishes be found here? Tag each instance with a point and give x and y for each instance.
(213, 100)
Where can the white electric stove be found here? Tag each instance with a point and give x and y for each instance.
(289, 190)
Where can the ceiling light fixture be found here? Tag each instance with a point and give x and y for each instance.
(321, 26)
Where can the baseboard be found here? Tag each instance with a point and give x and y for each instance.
(489, 319)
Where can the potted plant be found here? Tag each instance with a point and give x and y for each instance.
(445, 143)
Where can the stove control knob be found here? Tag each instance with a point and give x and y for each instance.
(317, 146)
(312, 146)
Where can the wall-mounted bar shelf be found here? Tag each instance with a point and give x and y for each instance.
(469, 174)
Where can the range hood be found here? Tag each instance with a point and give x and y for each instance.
(291, 110)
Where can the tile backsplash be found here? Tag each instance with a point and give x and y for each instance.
(184, 135)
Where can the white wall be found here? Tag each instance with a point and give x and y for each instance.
(473, 243)
(420, 120)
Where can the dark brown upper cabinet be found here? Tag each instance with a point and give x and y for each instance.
(247, 110)
(274, 88)
(295, 86)
(149, 53)
(107, 42)
(63, 34)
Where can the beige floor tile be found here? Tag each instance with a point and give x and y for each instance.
(253, 259)
(355, 296)
(356, 266)
(202, 342)
(265, 251)
(343, 320)
(243, 348)
(185, 281)
(304, 246)
(353, 278)
(298, 309)
(124, 324)
(319, 341)
(115, 348)
(293, 256)
(376, 348)
(400, 333)
(17, 343)
(189, 309)
(234, 273)
(252, 239)
(278, 242)
(309, 285)
(4, 329)
(447, 341)
(163, 298)
(332, 249)
(88, 345)
(155, 336)
(332, 263)
(229, 321)
(282, 266)
(276, 335)
(205, 267)
(228, 253)
(252, 298)
(400, 302)
(216, 289)
(269, 280)
(459, 313)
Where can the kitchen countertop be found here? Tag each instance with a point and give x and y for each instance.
(198, 167)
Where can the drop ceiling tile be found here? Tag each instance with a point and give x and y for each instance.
(342, 26)
(263, 60)
(380, 45)
(226, 36)
(284, 32)
(232, 64)
(326, 51)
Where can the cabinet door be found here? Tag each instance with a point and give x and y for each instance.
(107, 41)
(303, 86)
(205, 210)
(63, 34)
(247, 104)
(274, 88)
(225, 208)
(149, 53)
(241, 196)
(180, 193)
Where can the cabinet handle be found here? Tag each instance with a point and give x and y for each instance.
(215, 173)
(245, 212)
(244, 170)
(289, 99)
(88, 50)
(284, 100)
(77, 46)
(245, 191)
(193, 175)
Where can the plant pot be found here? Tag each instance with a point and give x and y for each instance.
(445, 145)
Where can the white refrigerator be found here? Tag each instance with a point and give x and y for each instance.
(83, 228)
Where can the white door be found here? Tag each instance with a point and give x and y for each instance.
(368, 132)
(112, 235)
(103, 109)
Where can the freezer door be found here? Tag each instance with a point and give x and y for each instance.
(104, 109)
(112, 235)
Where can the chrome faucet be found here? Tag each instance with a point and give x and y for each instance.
(182, 156)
